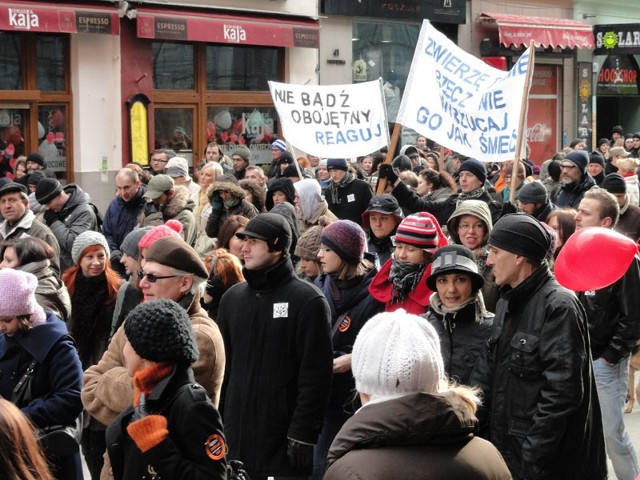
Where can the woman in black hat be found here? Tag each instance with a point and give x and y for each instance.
(172, 430)
(457, 311)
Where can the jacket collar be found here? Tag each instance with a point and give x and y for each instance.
(519, 295)
(25, 223)
(38, 341)
(270, 277)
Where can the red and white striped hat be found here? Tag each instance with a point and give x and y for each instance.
(420, 230)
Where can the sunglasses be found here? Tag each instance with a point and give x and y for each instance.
(151, 278)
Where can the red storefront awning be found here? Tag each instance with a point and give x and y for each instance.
(215, 28)
(18, 16)
(544, 31)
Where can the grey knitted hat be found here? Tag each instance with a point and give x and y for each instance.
(130, 242)
(161, 331)
(88, 239)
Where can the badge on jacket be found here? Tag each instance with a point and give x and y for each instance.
(281, 310)
(215, 447)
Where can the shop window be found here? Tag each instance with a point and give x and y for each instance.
(50, 63)
(173, 66)
(174, 129)
(384, 49)
(10, 64)
(52, 133)
(240, 68)
(12, 125)
(250, 126)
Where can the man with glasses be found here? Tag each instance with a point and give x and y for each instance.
(159, 160)
(171, 270)
(574, 179)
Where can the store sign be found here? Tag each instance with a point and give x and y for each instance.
(617, 39)
(462, 103)
(585, 92)
(27, 17)
(618, 76)
(444, 11)
(332, 121)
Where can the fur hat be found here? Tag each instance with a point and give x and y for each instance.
(270, 227)
(523, 235)
(397, 353)
(130, 243)
(452, 259)
(346, 239)
(533, 192)
(172, 228)
(477, 208)
(47, 190)
(85, 240)
(174, 252)
(18, 297)
(618, 152)
(476, 167)
(420, 230)
(161, 331)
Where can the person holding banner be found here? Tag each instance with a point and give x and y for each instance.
(347, 196)
(472, 176)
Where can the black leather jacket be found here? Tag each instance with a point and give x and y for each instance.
(613, 314)
(536, 374)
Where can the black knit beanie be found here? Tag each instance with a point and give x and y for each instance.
(614, 183)
(160, 331)
(523, 235)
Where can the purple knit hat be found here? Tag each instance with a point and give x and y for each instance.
(346, 238)
(19, 297)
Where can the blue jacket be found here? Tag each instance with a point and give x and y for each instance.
(121, 218)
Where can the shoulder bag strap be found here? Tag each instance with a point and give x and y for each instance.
(21, 394)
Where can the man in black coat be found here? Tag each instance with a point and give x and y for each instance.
(629, 220)
(472, 176)
(612, 313)
(347, 196)
(538, 382)
(574, 179)
(279, 357)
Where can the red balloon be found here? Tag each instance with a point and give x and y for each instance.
(593, 258)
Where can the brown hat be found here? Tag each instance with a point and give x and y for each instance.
(618, 152)
(174, 252)
(308, 244)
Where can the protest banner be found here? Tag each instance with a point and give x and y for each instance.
(461, 102)
(332, 121)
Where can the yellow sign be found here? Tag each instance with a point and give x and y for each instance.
(139, 133)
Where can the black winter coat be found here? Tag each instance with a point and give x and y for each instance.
(569, 196)
(360, 307)
(279, 366)
(442, 208)
(349, 199)
(613, 314)
(194, 448)
(538, 384)
(462, 340)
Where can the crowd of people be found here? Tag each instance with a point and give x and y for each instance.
(318, 318)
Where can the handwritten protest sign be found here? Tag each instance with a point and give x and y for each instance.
(462, 103)
(332, 121)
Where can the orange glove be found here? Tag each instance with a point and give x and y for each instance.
(148, 432)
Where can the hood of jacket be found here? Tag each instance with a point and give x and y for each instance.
(77, 197)
(310, 197)
(226, 186)
(284, 185)
(477, 208)
(178, 203)
(414, 419)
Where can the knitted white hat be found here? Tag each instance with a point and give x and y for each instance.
(88, 239)
(18, 295)
(397, 353)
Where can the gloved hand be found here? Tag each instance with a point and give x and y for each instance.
(50, 216)
(300, 454)
(216, 202)
(507, 208)
(236, 471)
(385, 170)
(150, 208)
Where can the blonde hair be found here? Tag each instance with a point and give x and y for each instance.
(628, 164)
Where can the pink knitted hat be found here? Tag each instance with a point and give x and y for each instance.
(172, 228)
(18, 297)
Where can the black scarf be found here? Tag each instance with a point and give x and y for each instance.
(90, 321)
(477, 193)
(404, 277)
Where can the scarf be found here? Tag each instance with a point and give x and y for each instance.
(477, 193)
(404, 277)
(90, 320)
(480, 312)
(145, 380)
(335, 187)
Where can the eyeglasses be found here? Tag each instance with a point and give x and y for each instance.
(151, 278)
(157, 160)
(474, 226)
(567, 167)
